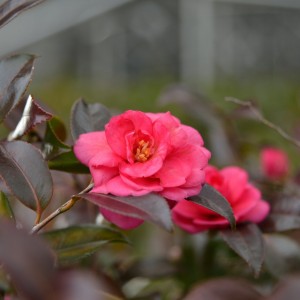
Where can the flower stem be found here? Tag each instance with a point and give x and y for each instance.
(65, 207)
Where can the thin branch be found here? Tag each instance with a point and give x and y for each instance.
(262, 119)
(65, 207)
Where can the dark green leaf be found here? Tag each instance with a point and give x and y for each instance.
(77, 242)
(54, 138)
(247, 241)
(88, 117)
(67, 162)
(15, 76)
(150, 207)
(213, 200)
(284, 215)
(32, 115)
(5, 208)
(26, 174)
(223, 289)
(9, 9)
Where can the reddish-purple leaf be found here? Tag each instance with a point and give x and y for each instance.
(247, 241)
(88, 117)
(284, 215)
(223, 289)
(210, 198)
(28, 260)
(9, 9)
(150, 207)
(25, 172)
(15, 75)
(32, 115)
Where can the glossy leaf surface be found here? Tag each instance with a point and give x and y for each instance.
(210, 198)
(88, 117)
(150, 207)
(77, 242)
(15, 76)
(26, 174)
(247, 241)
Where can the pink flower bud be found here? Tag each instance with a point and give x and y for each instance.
(274, 163)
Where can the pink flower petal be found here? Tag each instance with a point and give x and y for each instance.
(121, 221)
(122, 125)
(194, 136)
(258, 213)
(118, 187)
(179, 193)
(166, 119)
(149, 184)
(235, 180)
(185, 223)
(90, 144)
(142, 169)
(248, 200)
(101, 175)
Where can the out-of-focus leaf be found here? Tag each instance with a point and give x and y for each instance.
(247, 241)
(87, 285)
(287, 289)
(282, 255)
(77, 242)
(32, 115)
(5, 208)
(9, 9)
(284, 215)
(25, 172)
(88, 117)
(15, 76)
(67, 162)
(150, 207)
(223, 289)
(213, 200)
(28, 261)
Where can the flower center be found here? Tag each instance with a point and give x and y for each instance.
(142, 152)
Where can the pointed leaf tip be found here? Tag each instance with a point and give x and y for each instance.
(210, 198)
(247, 241)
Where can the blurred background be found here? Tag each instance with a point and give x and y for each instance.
(124, 53)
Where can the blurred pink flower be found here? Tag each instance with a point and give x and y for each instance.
(274, 163)
(232, 183)
(139, 153)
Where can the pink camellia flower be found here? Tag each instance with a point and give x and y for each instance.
(274, 163)
(139, 153)
(232, 183)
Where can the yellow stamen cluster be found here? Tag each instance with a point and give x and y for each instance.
(143, 151)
